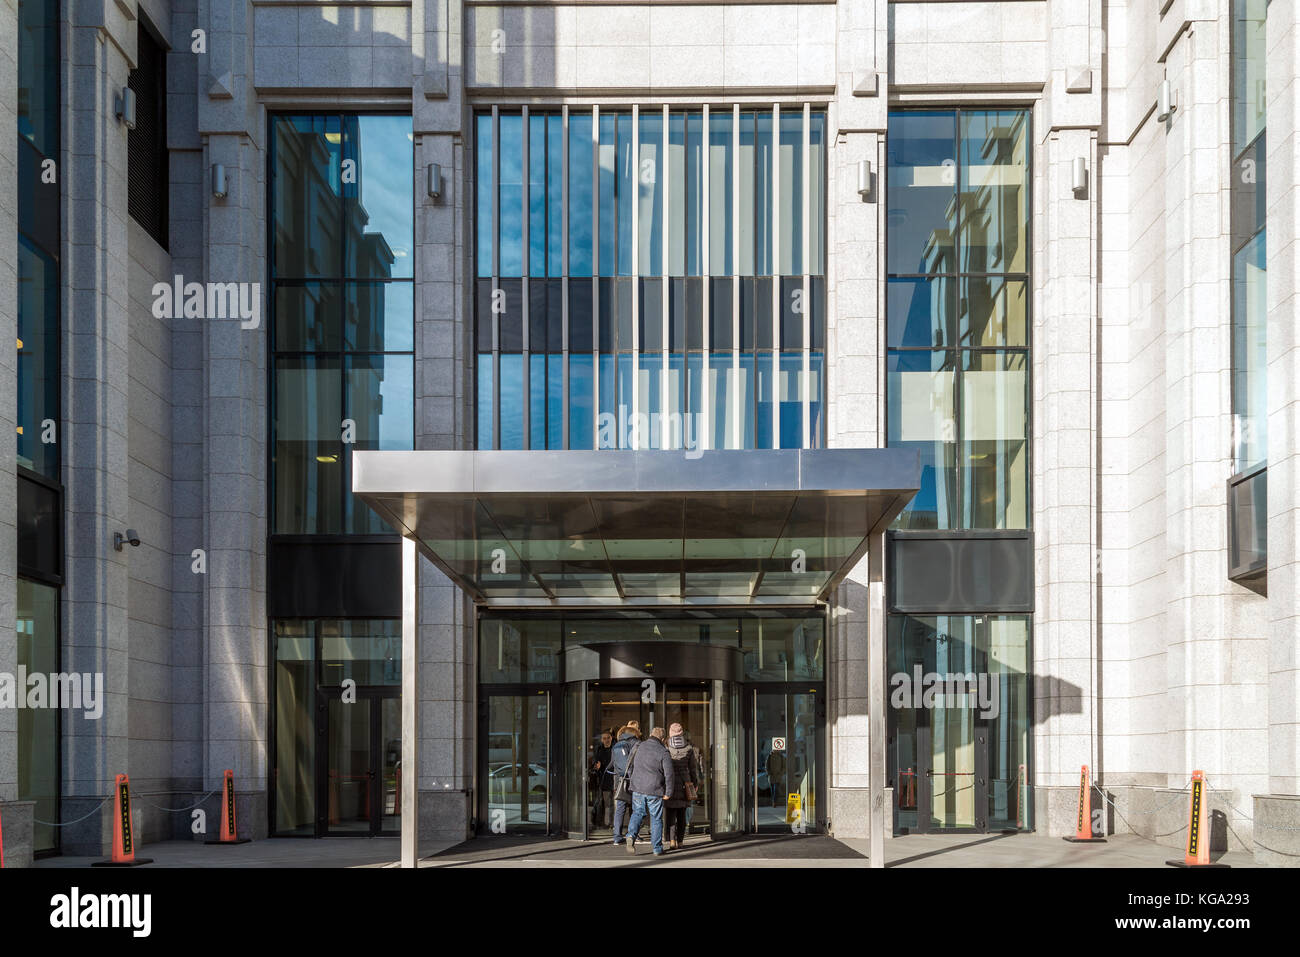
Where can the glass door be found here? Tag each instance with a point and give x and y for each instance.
(516, 775)
(786, 754)
(609, 706)
(723, 767)
(690, 704)
(357, 784)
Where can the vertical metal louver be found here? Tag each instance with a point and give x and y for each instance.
(147, 179)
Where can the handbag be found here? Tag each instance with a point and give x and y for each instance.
(623, 786)
(692, 792)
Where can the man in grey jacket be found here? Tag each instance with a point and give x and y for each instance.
(651, 781)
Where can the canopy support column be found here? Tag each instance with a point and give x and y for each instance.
(876, 697)
(410, 777)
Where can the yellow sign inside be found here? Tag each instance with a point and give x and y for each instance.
(792, 808)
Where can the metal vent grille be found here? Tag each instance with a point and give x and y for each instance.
(147, 143)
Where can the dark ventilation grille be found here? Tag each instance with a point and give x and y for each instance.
(147, 143)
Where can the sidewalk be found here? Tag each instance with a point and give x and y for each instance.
(918, 850)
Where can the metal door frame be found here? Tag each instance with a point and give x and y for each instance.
(750, 694)
(372, 697)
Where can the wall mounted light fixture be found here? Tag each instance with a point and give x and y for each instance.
(219, 180)
(864, 179)
(435, 181)
(1166, 101)
(124, 107)
(1079, 176)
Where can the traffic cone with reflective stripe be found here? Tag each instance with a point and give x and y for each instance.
(227, 832)
(123, 839)
(1198, 829)
(1083, 824)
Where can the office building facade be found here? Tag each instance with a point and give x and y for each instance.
(898, 395)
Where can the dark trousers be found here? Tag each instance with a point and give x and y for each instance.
(602, 808)
(676, 823)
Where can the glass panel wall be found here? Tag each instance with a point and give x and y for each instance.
(959, 730)
(342, 302)
(957, 305)
(654, 357)
(39, 728)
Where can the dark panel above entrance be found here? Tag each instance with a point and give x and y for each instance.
(645, 528)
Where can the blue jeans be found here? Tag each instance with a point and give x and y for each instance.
(653, 805)
(621, 813)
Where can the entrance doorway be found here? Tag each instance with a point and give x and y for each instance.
(786, 744)
(359, 747)
(606, 707)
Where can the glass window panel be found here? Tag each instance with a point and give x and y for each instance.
(993, 311)
(554, 401)
(817, 193)
(1249, 355)
(679, 222)
(746, 195)
(518, 760)
(308, 448)
(537, 394)
(650, 197)
(295, 728)
(581, 400)
(922, 191)
(1248, 70)
(608, 155)
(511, 195)
(747, 389)
(38, 360)
(995, 449)
(816, 403)
(580, 194)
(625, 179)
(920, 312)
(512, 401)
(307, 317)
(519, 651)
(39, 111)
(554, 194)
(379, 207)
(694, 426)
(632, 432)
(486, 392)
(380, 316)
(674, 404)
(693, 163)
(609, 422)
(721, 192)
(921, 391)
(381, 402)
(484, 160)
(721, 409)
(307, 238)
(783, 649)
(790, 259)
(790, 399)
(39, 728)
(537, 207)
(368, 652)
(650, 372)
(765, 381)
(994, 190)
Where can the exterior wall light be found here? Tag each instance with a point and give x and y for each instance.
(1166, 101)
(131, 537)
(124, 107)
(219, 180)
(435, 181)
(864, 179)
(1079, 176)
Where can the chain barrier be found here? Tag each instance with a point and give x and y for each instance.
(137, 800)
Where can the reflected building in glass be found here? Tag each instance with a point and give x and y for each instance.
(902, 410)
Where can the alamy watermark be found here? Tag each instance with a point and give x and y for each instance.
(921, 689)
(209, 300)
(68, 691)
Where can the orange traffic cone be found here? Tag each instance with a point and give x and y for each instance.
(227, 832)
(1198, 829)
(1083, 825)
(123, 843)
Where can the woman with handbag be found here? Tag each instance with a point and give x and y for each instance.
(686, 783)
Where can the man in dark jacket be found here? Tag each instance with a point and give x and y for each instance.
(652, 781)
(629, 738)
(601, 808)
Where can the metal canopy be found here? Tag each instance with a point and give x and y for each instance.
(640, 528)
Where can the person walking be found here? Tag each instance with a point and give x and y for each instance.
(651, 779)
(602, 804)
(629, 738)
(686, 783)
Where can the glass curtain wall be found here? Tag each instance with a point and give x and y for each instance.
(342, 303)
(37, 406)
(650, 278)
(1248, 489)
(958, 317)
